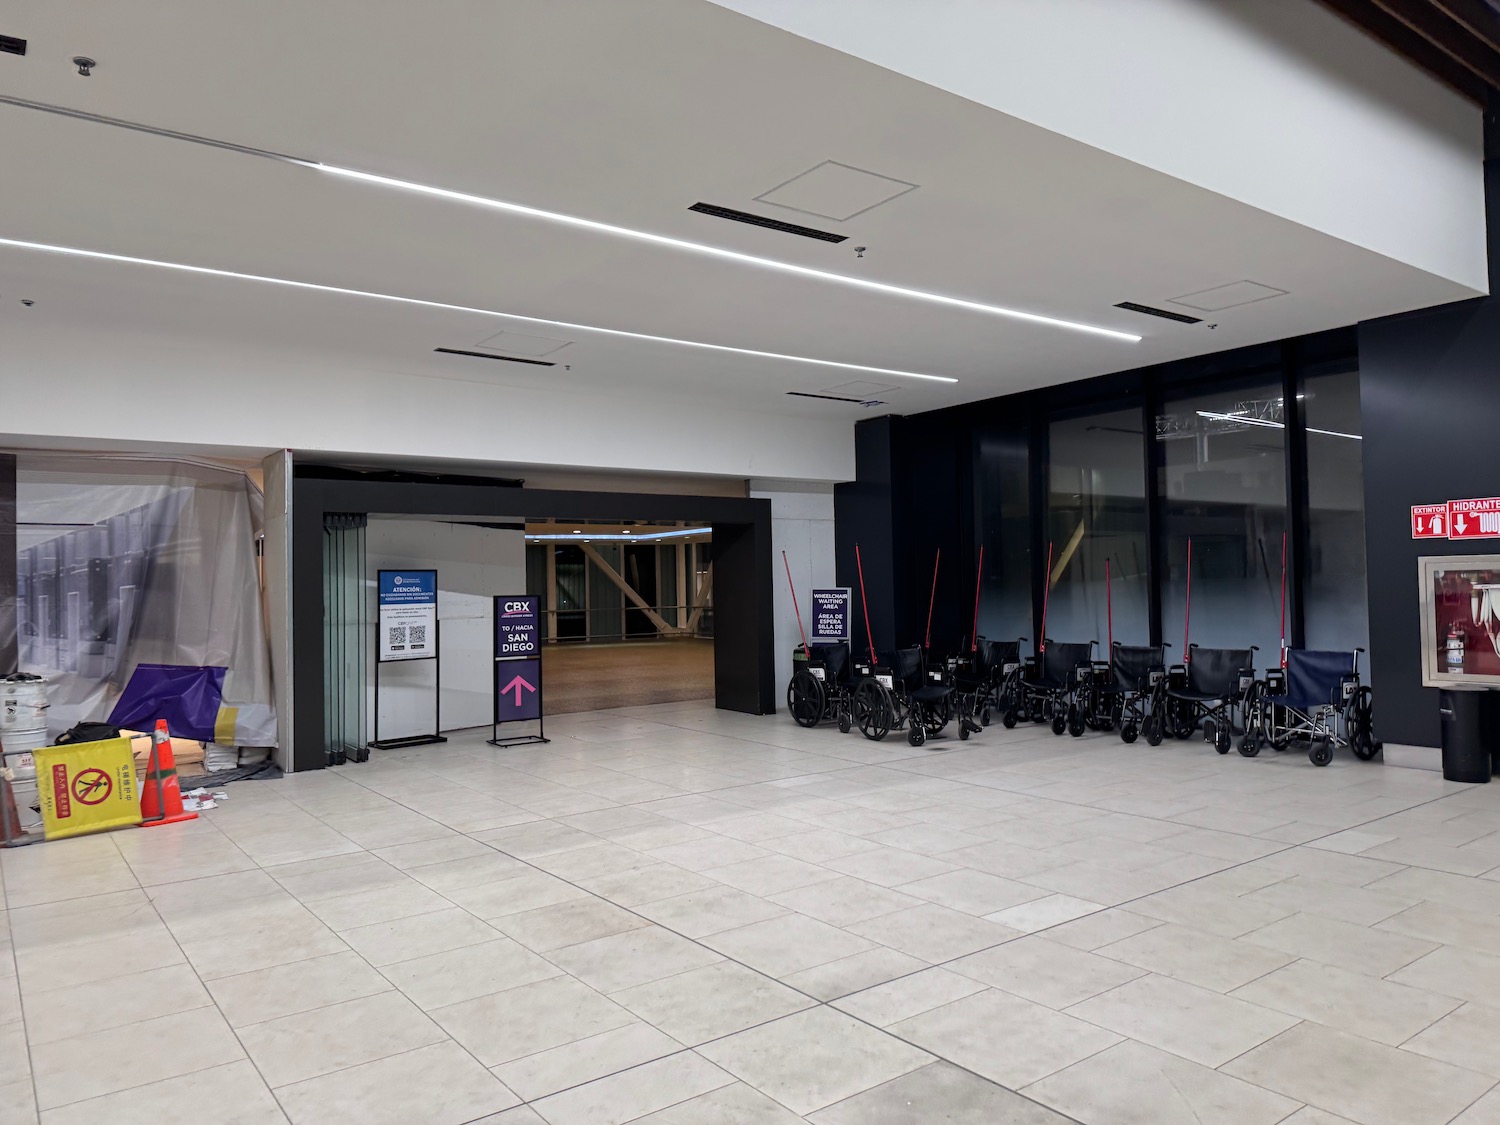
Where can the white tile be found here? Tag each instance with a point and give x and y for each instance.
(584, 1060)
(297, 1047)
(439, 1084)
(815, 1058)
(1045, 972)
(634, 1093)
(173, 1100)
(1199, 1025)
(1363, 1005)
(1043, 913)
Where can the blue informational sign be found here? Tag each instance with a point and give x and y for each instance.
(518, 690)
(408, 615)
(830, 616)
(516, 626)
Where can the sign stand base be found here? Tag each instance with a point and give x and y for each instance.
(518, 740)
(407, 743)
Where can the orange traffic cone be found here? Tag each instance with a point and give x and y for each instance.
(161, 799)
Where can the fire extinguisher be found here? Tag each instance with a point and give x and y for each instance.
(1453, 648)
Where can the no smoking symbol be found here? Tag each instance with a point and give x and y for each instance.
(92, 787)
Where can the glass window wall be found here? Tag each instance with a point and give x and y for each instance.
(1337, 614)
(1003, 527)
(1096, 522)
(1222, 480)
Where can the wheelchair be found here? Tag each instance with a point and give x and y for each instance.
(935, 701)
(819, 690)
(1215, 687)
(1047, 690)
(1129, 693)
(986, 678)
(877, 699)
(1317, 699)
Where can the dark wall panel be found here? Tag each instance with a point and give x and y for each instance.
(744, 661)
(863, 517)
(1430, 413)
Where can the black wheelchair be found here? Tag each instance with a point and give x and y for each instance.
(1318, 699)
(819, 689)
(1047, 690)
(1129, 693)
(986, 678)
(1215, 687)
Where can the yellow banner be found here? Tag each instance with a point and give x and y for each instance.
(87, 787)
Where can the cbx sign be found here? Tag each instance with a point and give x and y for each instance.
(516, 626)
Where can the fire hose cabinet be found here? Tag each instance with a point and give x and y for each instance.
(1460, 605)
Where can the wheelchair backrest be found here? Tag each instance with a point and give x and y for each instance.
(835, 658)
(1315, 678)
(1061, 660)
(997, 654)
(1216, 671)
(905, 665)
(1132, 665)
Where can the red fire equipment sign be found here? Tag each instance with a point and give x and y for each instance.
(1429, 521)
(1474, 519)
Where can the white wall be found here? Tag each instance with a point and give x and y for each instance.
(1280, 104)
(142, 388)
(802, 526)
(473, 564)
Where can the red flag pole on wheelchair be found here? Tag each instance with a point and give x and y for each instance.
(795, 608)
(865, 604)
(931, 601)
(1109, 613)
(1187, 616)
(1283, 601)
(1046, 597)
(978, 581)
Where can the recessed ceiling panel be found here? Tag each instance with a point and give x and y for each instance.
(1227, 296)
(858, 389)
(518, 343)
(835, 191)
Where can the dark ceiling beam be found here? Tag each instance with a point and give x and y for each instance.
(1461, 47)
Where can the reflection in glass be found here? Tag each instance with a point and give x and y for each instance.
(1336, 614)
(1223, 483)
(1096, 514)
(1004, 529)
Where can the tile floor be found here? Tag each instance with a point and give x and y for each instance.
(686, 917)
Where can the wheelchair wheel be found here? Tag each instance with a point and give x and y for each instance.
(935, 717)
(874, 712)
(1322, 751)
(1222, 738)
(845, 723)
(1076, 722)
(1250, 744)
(1361, 727)
(1059, 723)
(963, 730)
(917, 734)
(1036, 710)
(1183, 725)
(1009, 718)
(1128, 733)
(984, 716)
(805, 698)
(1153, 730)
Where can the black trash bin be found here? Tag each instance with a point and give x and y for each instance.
(1468, 730)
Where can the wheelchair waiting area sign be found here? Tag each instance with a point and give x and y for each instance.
(830, 615)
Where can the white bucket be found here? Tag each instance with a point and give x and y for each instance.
(23, 740)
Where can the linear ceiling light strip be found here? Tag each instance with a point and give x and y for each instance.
(182, 267)
(726, 255)
(588, 224)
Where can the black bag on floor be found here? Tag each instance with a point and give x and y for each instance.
(88, 732)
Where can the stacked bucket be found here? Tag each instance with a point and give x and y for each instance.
(23, 728)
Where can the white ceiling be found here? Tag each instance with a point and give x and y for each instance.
(623, 113)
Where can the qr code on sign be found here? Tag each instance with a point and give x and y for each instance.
(417, 635)
(396, 636)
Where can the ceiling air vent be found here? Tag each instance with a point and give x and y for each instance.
(10, 45)
(1180, 318)
(837, 398)
(762, 221)
(501, 358)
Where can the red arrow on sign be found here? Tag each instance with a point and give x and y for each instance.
(518, 683)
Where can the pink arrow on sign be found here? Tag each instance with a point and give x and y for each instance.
(517, 684)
